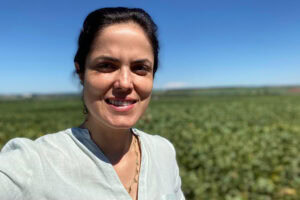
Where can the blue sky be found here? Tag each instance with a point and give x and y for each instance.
(203, 43)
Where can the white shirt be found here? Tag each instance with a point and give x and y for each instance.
(68, 165)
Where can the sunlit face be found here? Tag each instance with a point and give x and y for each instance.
(118, 76)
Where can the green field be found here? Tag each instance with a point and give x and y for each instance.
(229, 147)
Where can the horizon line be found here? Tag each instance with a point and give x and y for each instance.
(160, 89)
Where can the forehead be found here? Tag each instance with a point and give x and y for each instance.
(122, 38)
(126, 27)
(121, 29)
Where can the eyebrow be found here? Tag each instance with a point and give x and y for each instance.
(142, 61)
(107, 58)
(112, 59)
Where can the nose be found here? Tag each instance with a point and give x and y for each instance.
(124, 79)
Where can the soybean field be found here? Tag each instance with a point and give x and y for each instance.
(232, 147)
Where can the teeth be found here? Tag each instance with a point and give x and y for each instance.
(119, 103)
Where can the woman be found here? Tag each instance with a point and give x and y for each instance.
(104, 158)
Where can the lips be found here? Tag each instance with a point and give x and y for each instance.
(120, 102)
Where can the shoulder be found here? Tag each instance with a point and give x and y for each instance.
(28, 145)
(30, 153)
(161, 159)
(22, 160)
(156, 143)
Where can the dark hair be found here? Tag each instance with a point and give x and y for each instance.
(97, 20)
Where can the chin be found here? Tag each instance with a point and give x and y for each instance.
(124, 123)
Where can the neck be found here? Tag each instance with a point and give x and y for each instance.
(114, 143)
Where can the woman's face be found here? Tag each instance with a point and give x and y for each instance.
(118, 76)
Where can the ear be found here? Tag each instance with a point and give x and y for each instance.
(80, 75)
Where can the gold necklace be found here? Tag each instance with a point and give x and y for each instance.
(136, 175)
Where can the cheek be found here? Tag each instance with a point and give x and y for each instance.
(145, 89)
(93, 89)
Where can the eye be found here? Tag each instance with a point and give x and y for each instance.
(105, 67)
(141, 69)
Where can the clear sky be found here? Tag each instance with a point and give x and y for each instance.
(203, 43)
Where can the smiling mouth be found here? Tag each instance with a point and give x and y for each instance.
(120, 103)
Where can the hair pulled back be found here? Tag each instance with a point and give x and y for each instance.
(99, 19)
